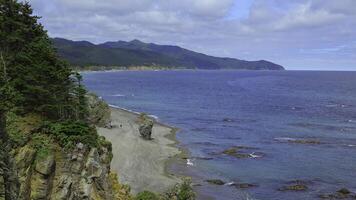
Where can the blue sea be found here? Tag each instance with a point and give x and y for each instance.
(266, 112)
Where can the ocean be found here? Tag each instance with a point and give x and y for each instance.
(288, 126)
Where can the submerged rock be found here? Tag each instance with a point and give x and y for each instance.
(245, 185)
(296, 188)
(343, 193)
(296, 185)
(215, 181)
(299, 141)
(240, 152)
(227, 120)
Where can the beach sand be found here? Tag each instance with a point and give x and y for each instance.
(138, 162)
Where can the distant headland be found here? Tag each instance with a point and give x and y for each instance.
(127, 55)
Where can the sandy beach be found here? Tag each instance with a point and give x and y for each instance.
(140, 163)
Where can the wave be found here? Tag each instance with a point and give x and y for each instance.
(118, 95)
(285, 139)
(128, 110)
(190, 162)
(154, 117)
(230, 183)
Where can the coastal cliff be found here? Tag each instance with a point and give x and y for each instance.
(37, 166)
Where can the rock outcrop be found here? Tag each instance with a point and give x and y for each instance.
(40, 169)
(82, 173)
(146, 125)
(99, 111)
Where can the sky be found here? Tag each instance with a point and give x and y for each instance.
(298, 34)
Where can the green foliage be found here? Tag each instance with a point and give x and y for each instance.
(20, 128)
(186, 191)
(32, 78)
(183, 191)
(132, 55)
(43, 144)
(69, 133)
(147, 195)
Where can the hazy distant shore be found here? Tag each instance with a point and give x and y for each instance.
(140, 163)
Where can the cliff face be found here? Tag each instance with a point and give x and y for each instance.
(33, 165)
(82, 173)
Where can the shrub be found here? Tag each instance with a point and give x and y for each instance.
(42, 144)
(146, 195)
(69, 133)
(20, 128)
(183, 191)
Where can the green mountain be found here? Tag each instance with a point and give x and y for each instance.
(137, 53)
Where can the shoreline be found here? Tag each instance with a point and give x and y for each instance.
(139, 163)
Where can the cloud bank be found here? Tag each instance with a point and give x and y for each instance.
(299, 34)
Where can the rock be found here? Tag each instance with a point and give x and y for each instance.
(145, 128)
(215, 181)
(80, 146)
(99, 111)
(46, 166)
(63, 189)
(93, 169)
(42, 177)
(240, 152)
(244, 185)
(24, 160)
(311, 142)
(296, 188)
(344, 191)
(227, 120)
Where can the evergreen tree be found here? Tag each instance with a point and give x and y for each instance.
(29, 65)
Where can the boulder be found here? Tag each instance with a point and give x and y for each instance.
(145, 128)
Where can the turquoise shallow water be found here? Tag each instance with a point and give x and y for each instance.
(264, 110)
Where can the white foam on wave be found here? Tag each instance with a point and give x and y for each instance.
(230, 183)
(118, 95)
(332, 105)
(154, 117)
(252, 155)
(113, 106)
(285, 139)
(190, 162)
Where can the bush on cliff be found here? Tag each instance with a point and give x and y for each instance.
(69, 133)
(147, 195)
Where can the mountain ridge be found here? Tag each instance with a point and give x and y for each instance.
(138, 53)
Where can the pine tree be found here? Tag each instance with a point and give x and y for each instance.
(30, 65)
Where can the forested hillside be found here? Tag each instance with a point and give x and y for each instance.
(137, 53)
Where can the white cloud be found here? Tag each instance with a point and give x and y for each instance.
(274, 30)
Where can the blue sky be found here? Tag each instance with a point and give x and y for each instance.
(298, 34)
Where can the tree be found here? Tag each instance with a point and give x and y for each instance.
(30, 65)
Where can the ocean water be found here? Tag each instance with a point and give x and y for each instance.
(263, 110)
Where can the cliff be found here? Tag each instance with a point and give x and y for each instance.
(35, 166)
